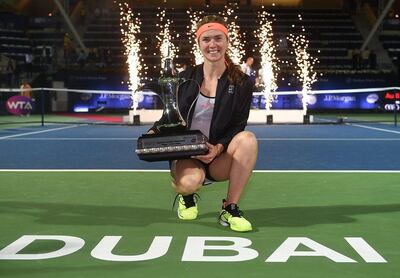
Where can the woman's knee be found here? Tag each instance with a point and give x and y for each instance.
(189, 183)
(246, 139)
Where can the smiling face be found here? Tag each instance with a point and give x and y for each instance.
(213, 45)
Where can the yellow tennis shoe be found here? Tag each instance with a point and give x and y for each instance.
(187, 207)
(231, 216)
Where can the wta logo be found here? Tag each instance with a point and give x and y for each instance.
(19, 105)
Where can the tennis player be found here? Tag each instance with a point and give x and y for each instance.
(220, 110)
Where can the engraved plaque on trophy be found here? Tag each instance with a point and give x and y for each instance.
(172, 139)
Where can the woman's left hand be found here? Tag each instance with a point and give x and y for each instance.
(213, 152)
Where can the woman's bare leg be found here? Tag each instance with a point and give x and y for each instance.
(236, 164)
(187, 176)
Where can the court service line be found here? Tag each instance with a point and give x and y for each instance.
(166, 171)
(374, 128)
(37, 132)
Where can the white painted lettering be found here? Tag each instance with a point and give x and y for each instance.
(288, 249)
(195, 247)
(365, 250)
(158, 248)
(10, 252)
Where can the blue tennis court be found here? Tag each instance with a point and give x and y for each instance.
(328, 191)
(281, 147)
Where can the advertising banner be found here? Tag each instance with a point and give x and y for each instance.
(19, 105)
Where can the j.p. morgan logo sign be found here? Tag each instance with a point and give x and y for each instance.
(237, 248)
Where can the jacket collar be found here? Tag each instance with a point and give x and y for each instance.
(200, 74)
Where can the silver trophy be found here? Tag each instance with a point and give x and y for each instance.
(172, 139)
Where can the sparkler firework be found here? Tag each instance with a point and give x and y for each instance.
(305, 64)
(130, 28)
(167, 48)
(195, 17)
(236, 45)
(269, 65)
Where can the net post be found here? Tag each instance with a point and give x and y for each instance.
(306, 119)
(395, 108)
(136, 120)
(42, 106)
(270, 120)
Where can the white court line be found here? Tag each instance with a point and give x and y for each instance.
(259, 139)
(328, 139)
(162, 171)
(73, 139)
(375, 128)
(37, 132)
(327, 171)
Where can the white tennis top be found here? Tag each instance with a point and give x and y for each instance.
(202, 114)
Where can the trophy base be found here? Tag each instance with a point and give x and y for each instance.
(171, 146)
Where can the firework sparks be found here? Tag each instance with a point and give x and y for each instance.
(195, 17)
(236, 45)
(167, 48)
(269, 65)
(130, 28)
(305, 64)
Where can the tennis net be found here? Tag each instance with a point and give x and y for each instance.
(61, 105)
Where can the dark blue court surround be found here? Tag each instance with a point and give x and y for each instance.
(281, 147)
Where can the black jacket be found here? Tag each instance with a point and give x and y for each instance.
(231, 108)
